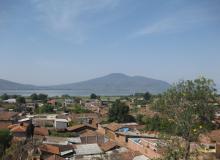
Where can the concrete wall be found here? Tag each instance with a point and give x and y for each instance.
(60, 125)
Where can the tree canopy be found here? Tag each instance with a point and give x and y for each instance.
(93, 96)
(119, 112)
(189, 105)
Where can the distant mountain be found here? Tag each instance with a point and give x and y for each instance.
(8, 85)
(117, 83)
(112, 84)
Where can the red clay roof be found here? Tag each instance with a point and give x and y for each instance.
(55, 149)
(4, 125)
(76, 127)
(54, 157)
(129, 155)
(17, 128)
(41, 131)
(114, 126)
(6, 116)
(88, 133)
(108, 146)
(212, 136)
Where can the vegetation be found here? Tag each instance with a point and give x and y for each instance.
(93, 96)
(119, 112)
(189, 106)
(147, 96)
(20, 100)
(5, 96)
(41, 97)
(5, 139)
(78, 109)
(44, 109)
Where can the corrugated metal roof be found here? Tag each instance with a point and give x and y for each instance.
(88, 149)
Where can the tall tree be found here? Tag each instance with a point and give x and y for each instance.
(5, 96)
(34, 97)
(5, 139)
(20, 100)
(119, 112)
(190, 105)
(93, 96)
(147, 96)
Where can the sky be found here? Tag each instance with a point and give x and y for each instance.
(45, 42)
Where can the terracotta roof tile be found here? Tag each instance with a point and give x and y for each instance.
(55, 157)
(55, 149)
(4, 125)
(108, 146)
(80, 126)
(7, 115)
(114, 126)
(41, 131)
(18, 128)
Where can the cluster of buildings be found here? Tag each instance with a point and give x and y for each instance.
(56, 137)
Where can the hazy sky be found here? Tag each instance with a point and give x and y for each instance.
(58, 41)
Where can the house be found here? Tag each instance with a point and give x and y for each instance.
(64, 151)
(52, 102)
(84, 118)
(11, 117)
(60, 124)
(61, 140)
(80, 128)
(41, 131)
(89, 137)
(18, 131)
(11, 100)
(68, 102)
(54, 157)
(141, 157)
(146, 146)
(209, 141)
(108, 146)
(30, 106)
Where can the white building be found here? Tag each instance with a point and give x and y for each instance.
(60, 124)
(11, 100)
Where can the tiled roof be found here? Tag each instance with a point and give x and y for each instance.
(41, 131)
(80, 126)
(7, 115)
(129, 155)
(18, 128)
(55, 149)
(114, 126)
(215, 135)
(4, 125)
(212, 136)
(55, 157)
(108, 146)
(88, 133)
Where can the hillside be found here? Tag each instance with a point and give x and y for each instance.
(112, 84)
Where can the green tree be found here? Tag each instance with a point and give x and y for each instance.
(93, 96)
(34, 97)
(119, 112)
(147, 96)
(5, 139)
(5, 96)
(42, 97)
(189, 104)
(20, 100)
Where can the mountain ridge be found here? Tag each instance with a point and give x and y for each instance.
(111, 83)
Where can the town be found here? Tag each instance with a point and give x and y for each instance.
(181, 123)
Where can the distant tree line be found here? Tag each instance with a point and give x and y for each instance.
(41, 97)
